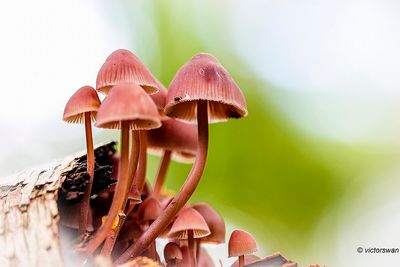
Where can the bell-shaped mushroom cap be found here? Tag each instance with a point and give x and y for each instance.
(248, 259)
(122, 66)
(241, 243)
(204, 78)
(128, 102)
(172, 253)
(178, 137)
(149, 210)
(214, 222)
(189, 219)
(160, 97)
(84, 100)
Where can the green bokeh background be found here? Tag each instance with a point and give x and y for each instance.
(263, 174)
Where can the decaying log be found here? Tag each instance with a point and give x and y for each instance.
(29, 212)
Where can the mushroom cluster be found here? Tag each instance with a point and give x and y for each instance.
(126, 219)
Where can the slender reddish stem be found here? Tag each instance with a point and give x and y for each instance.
(192, 248)
(119, 194)
(85, 204)
(108, 246)
(133, 163)
(140, 177)
(241, 260)
(183, 195)
(162, 171)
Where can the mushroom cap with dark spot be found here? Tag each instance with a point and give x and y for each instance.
(189, 219)
(82, 101)
(178, 137)
(204, 78)
(129, 103)
(241, 243)
(122, 66)
(214, 222)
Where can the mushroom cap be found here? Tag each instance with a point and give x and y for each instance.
(82, 101)
(241, 243)
(160, 97)
(204, 78)
(189, 219)
(122, 66)
(248, 259)
(178, 137)
(129, 103)
(214, 222)
(149, 210)
(172, 252)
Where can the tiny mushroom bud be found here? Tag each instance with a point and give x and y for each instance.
(82, 108)
(190, 225)
(127, 107)
(148, 211)
(122, 66)
(241, 243)
(172, 254)
(202, 91)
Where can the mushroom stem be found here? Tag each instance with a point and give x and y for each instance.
(183, 195)
(133, 163)
(162, 170)
(241, 260)
(119, 194)
(140, 176)
(84, 207)
(192, 248)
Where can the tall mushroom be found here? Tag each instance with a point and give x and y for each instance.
(122, 66)
(190, 225)
(127, 107)
(82, 108)
(241, 243)
(201, 92)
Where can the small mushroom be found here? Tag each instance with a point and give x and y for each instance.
(127, 107)
(190, 225)
(172, 254)
(122, 66)
(241, 243)
(82, 108)
(209, 94)
(148, 211)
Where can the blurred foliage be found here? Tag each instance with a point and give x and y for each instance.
(261, 172)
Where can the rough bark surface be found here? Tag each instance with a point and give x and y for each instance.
(29, 214)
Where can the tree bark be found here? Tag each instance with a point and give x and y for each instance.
(29, 211)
